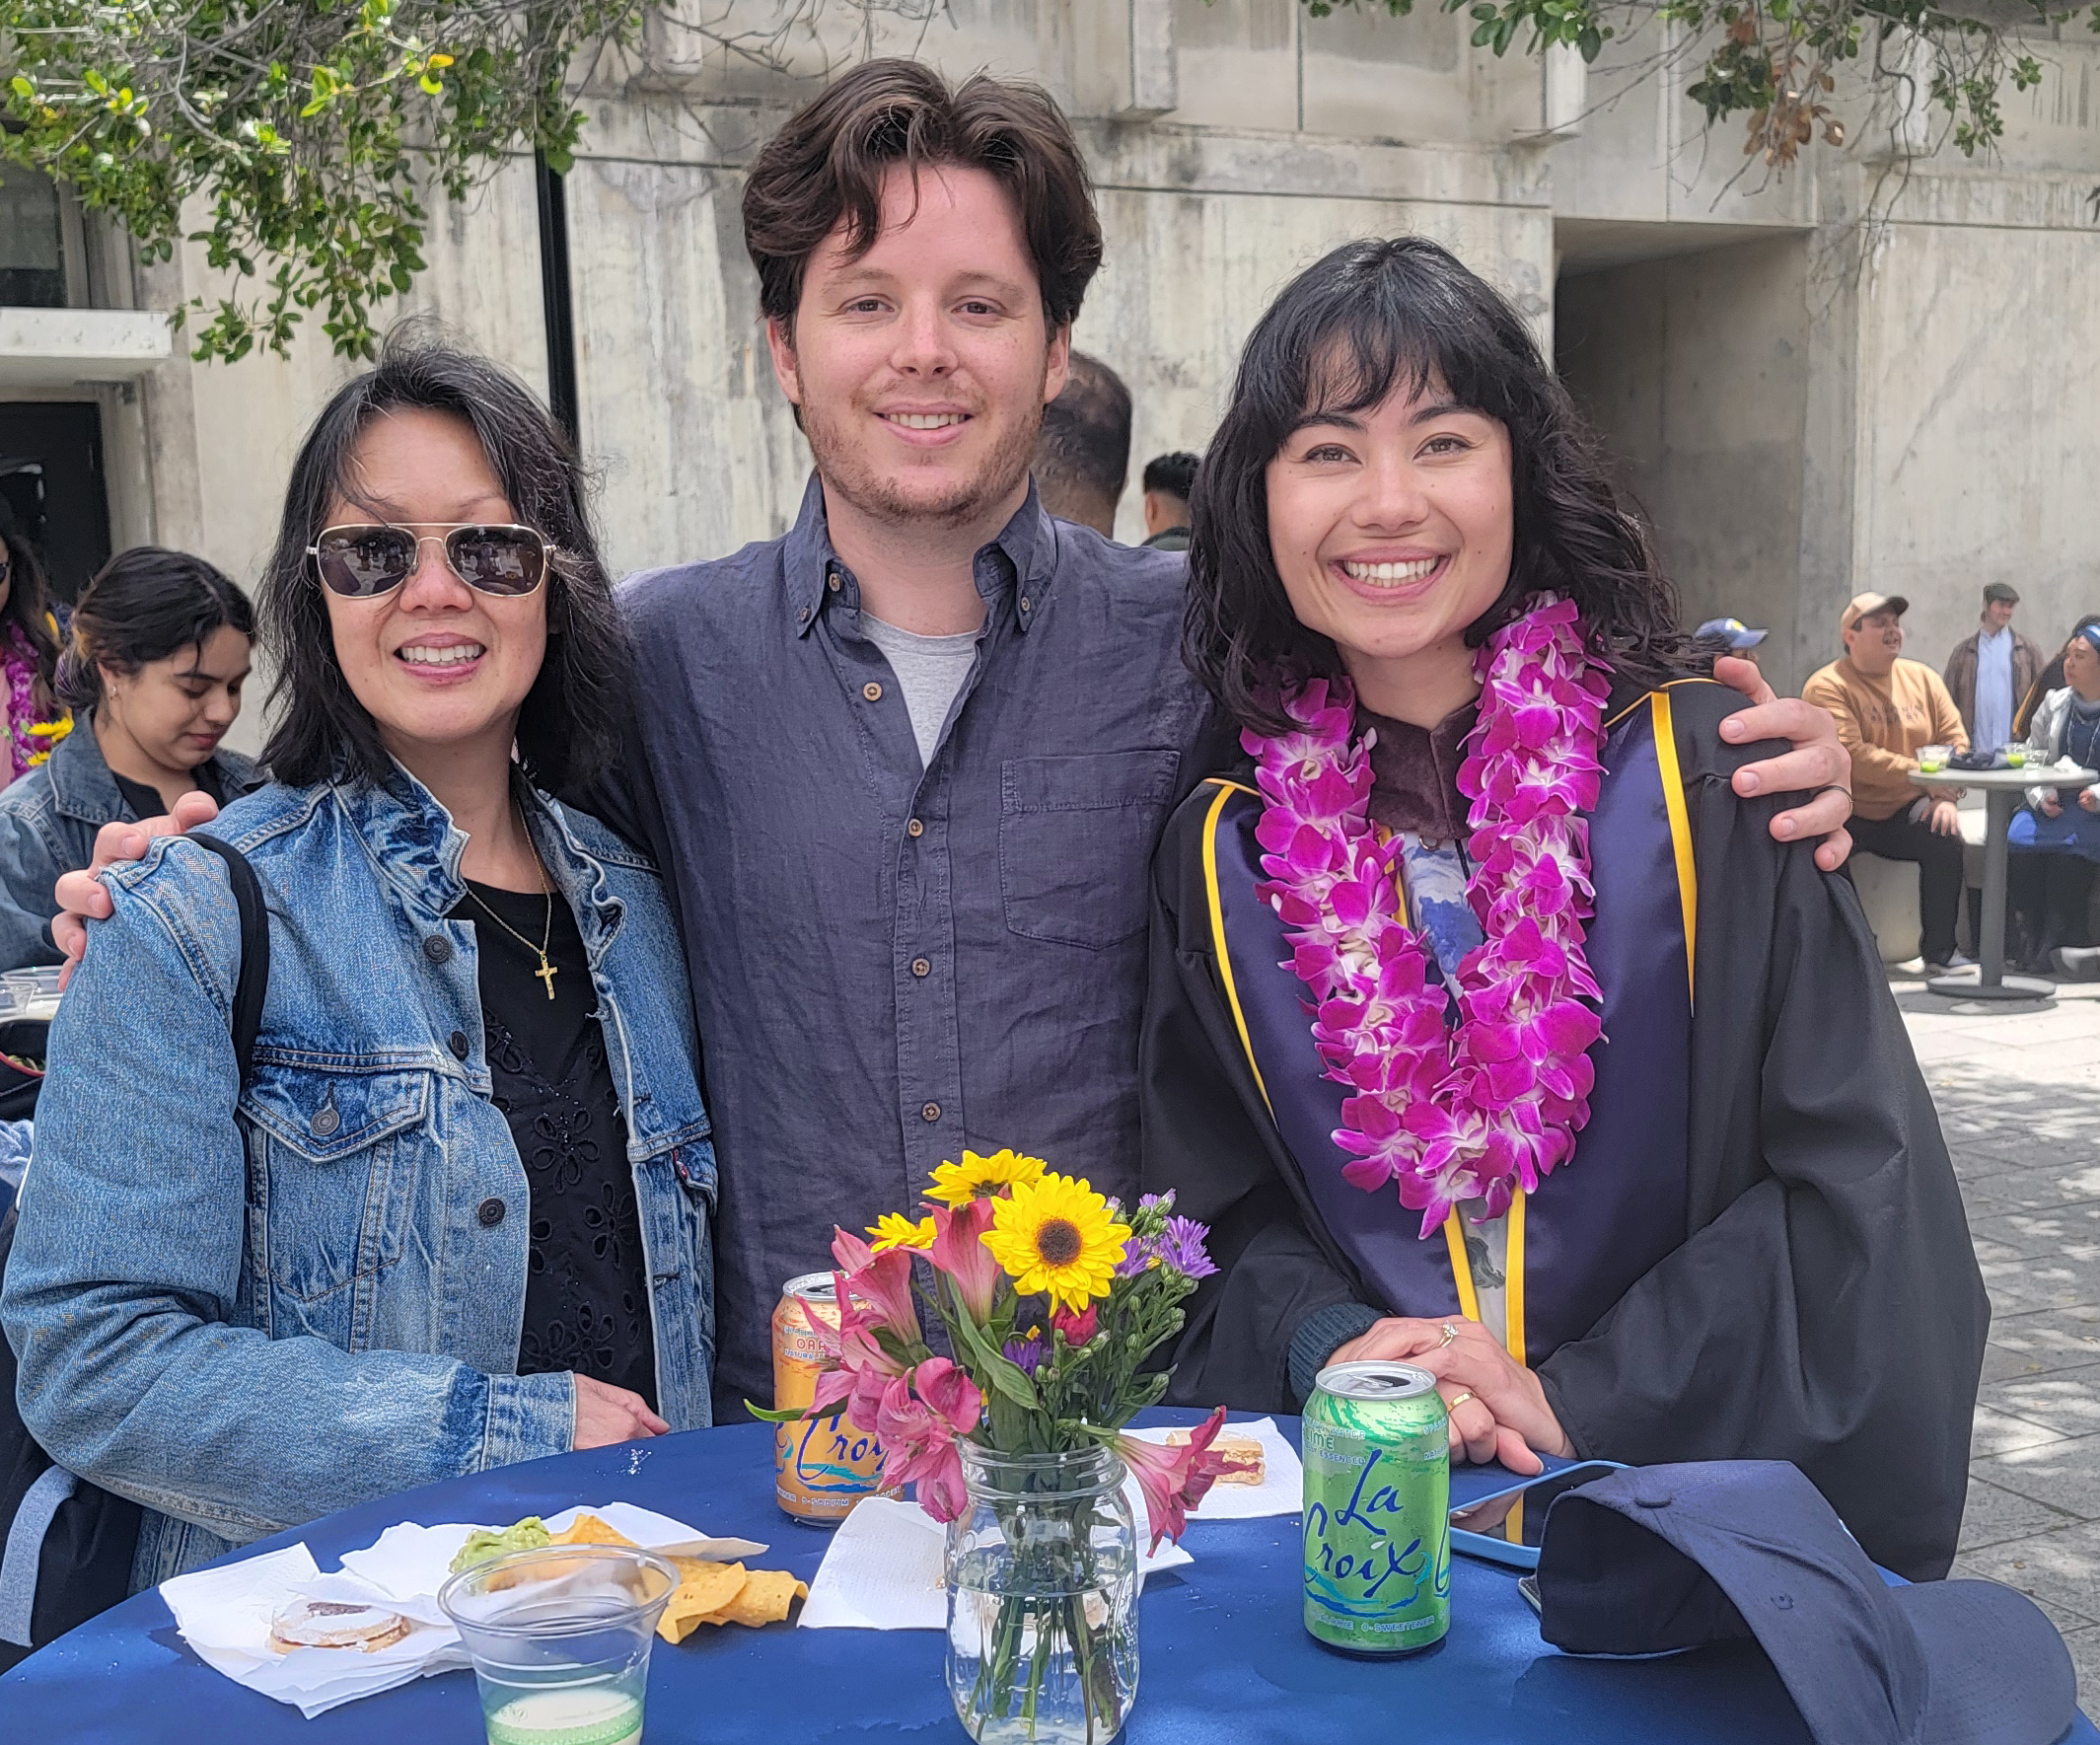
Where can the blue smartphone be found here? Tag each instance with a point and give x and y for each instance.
(1506, 1526)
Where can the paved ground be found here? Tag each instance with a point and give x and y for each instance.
(2019, 1097)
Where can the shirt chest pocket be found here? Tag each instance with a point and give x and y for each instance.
(334, 1173)
(1075, 842)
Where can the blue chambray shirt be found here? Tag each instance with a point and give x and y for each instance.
(889, 963)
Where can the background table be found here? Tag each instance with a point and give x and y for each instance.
(2002, 790)
(1224, 1653)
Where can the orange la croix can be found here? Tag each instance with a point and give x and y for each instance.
(823, 1465)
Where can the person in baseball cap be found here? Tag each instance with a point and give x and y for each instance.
(1739, 636)
(1888, 708)
(1663, 1558)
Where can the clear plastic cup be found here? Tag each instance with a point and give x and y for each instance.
(38, 991)
(2016, 756)
(1931, 760)
(560, 1640)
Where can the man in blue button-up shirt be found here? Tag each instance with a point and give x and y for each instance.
(904, 769)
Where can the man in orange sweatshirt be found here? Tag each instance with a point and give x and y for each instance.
(1887, 708)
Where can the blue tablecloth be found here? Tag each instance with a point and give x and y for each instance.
(1224, 1652)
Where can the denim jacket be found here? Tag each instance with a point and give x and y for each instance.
(48, 825)
(246, 1307)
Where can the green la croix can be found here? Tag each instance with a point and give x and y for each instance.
(1377, 1510)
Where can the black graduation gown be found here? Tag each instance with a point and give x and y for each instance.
(1825, 1306)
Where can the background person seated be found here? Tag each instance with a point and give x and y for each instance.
(157, 654)
(1887, 708)
(2056, 837)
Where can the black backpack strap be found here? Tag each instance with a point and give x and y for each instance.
(254, 977)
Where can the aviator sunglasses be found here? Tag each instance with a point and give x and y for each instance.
(362, 563)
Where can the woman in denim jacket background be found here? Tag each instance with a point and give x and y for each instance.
(460, 1215)
(155, 656)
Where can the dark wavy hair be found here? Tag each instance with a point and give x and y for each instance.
(145, 605)
(29, 605)
(1370, 318)
(570, 726)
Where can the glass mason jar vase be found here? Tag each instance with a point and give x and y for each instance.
(1042, 1573)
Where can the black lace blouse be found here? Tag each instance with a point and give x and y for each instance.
(587, 1293)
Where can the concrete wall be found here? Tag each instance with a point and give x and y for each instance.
(1696, 370)
(1905, 406)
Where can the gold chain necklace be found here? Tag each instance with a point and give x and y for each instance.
(547, 971)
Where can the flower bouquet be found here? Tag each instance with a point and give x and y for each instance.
(1054, 1298)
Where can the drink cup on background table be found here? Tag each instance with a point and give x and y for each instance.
(36, 991)
(1931, 760)
(2015, 757)
(559, 1639)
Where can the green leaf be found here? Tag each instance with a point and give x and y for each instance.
(1008, 1377)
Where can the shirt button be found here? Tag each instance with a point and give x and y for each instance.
(457, 1043)
(325, 1121)
(872, 691)
(833, 584)
(803, 617)
(919, 967)
(1023, 603)
(490, 1213)
(915, 829)
(438, 949)
(931, 1112)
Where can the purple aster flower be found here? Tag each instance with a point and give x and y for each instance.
(1025, 1354)
(1138, 1253)
(1181, 1246)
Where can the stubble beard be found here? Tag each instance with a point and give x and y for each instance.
(844, 468)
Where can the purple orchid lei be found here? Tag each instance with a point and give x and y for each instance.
(1478, 1111)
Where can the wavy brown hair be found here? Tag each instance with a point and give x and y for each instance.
(29, 605)
(828, 161)
(1367, 319)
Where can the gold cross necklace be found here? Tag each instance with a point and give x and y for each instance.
(547, 971)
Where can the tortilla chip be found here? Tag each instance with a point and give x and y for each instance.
(703, 1589)
(763, 1599)
(589, 1530)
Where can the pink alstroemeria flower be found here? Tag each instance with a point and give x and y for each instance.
(959, 1251)
(881, 1281)
(1174, 1478)
(918, 1423)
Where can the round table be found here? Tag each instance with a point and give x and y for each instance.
(1224, 1654)
(2002, 791)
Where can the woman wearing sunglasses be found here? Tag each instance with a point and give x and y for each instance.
(459, 1213)
(157, 654)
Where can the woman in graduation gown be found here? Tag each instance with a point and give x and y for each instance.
(1489, 1029)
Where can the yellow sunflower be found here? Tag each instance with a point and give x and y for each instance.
(979, 1178)
(1057, 1236)
(895, 1230)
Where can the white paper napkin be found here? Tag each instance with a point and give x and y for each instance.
(1281, 1490)
(884, 1570)
(226, 1615)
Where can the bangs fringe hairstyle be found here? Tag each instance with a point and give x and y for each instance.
(1367, 319)
(569, 730)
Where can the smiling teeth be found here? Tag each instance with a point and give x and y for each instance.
(925, 420)
(1390, 572)
(450, 656)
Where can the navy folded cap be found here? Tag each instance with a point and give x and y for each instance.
(1661, 1558)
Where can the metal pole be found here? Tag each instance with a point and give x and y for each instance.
(555, 295)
